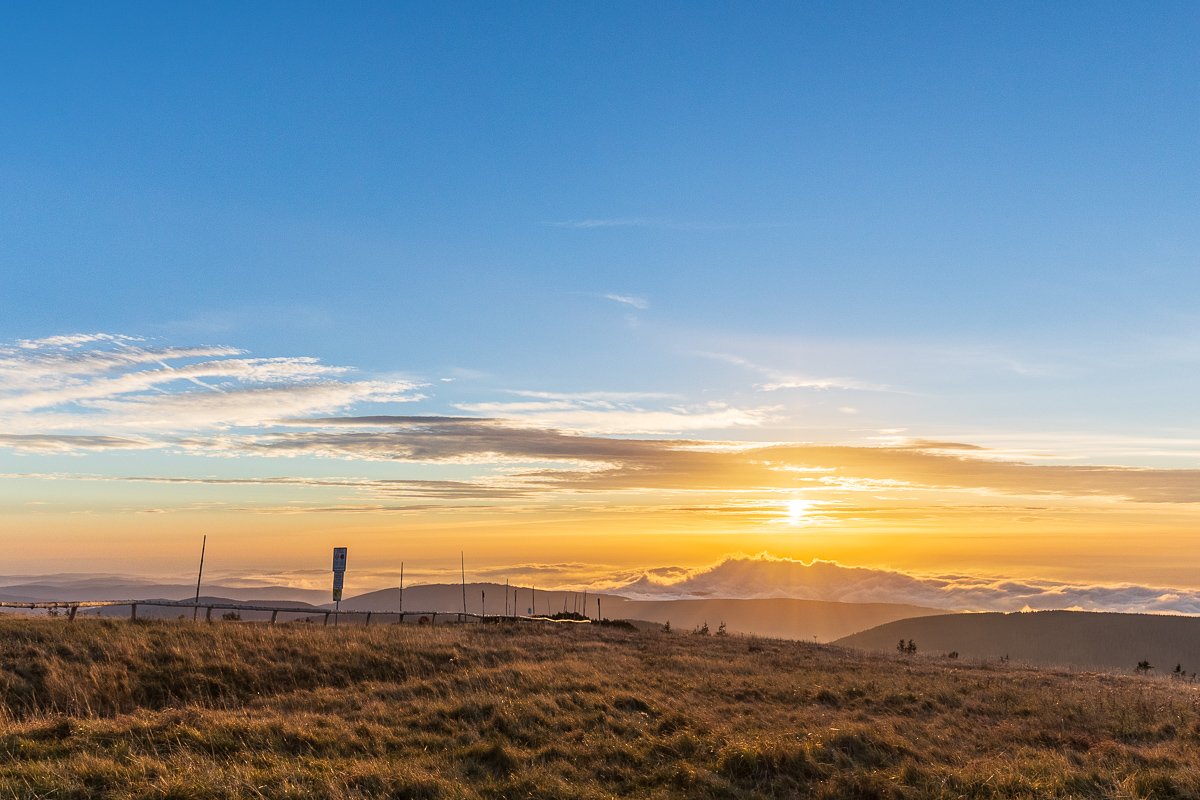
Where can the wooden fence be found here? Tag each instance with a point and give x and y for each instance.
(72, 608)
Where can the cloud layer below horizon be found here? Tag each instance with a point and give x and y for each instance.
(767, 577)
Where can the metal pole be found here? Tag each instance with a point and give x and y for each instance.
(463, 565)
(199, 575)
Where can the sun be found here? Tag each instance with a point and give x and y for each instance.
(798, 512)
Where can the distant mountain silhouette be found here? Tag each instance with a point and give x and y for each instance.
(1083, 639)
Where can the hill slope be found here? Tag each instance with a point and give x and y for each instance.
(1091, 640)
(230, 710)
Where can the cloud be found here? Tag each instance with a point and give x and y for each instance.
(49, 443)
(81, 391)
(779, 380)
(609, 222)
(633, 301)
(617, 413)
(766, 576)
(616, 464)
(593, 223)
(373, 487)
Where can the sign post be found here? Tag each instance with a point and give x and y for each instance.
(339, 576)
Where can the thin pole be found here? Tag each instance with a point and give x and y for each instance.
(483, 601)
(585, 602)
(402, 591)
(199, 575)
(506, 597)
(463, 565)
(598, 617)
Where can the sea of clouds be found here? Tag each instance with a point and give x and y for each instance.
(766, 576)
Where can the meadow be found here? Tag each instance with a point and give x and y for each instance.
(118, 709)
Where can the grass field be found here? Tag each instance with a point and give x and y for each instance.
(175, 710)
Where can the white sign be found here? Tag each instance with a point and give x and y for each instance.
(339, 572)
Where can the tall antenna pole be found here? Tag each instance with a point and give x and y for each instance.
(463, 566)
(199, 575)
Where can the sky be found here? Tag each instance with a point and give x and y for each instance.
(588, 290)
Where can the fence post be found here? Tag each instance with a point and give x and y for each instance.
(326, 618)
(133, 611)
(208, 614)
(274, 616)
(71, 613)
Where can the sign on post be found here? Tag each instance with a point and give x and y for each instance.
(339, 572)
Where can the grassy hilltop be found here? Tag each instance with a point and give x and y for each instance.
(174, 710)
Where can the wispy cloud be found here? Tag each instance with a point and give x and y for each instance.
(618, 413)
(84, 390)
(778, 379)
(589, 223)
(633, 301)
(610, 222)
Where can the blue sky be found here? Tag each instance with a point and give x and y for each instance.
(837, 223)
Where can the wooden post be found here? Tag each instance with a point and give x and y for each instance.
(71, 613)
(133, 611)
(368, 623)
(463, 565)
(598, 617)
(274, 616)
(326, 622)
(402, 591)
(432, 618)
(208, 614)
(483, 601)
(506, 597)
(199, 575)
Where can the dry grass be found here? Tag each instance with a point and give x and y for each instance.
(171, 710)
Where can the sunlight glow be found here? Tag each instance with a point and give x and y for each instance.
(798, 512)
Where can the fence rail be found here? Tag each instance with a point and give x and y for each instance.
(73, 606)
